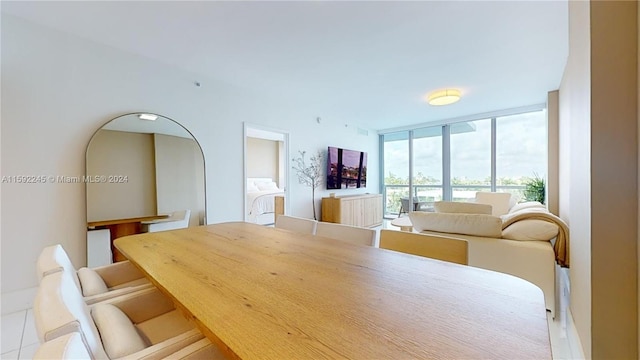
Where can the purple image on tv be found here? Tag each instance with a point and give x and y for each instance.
(346, 169)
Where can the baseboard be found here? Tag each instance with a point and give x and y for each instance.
(575, 346)
(17, 300)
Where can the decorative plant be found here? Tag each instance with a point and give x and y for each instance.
(311, 174)
(535, 189)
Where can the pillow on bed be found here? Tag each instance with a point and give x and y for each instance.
(461, 207)
(251, 187)
(531, 229)
(271, 185)
(467, 224)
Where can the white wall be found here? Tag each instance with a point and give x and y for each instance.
(57, 90)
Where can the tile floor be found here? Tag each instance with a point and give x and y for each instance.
(19, 338)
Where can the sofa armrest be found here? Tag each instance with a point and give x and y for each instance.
(118, 273)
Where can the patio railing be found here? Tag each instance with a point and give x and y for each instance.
(392, 194)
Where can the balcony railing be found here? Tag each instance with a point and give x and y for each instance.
(432, 193)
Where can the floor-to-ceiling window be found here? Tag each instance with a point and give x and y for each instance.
(395, 168)
(426, 174)
(521, 151)
(454, 160)
(470, 159)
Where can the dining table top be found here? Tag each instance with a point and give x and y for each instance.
(265, 293)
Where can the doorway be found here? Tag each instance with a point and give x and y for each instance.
(266, 172)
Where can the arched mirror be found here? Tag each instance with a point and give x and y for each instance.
(145, 173)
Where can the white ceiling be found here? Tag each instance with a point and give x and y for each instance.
(368, 63)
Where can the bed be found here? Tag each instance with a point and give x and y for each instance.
(261, 193)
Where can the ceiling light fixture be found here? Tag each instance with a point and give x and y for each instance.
(444, 97)
(149, 117)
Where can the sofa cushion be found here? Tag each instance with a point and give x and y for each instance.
(528, 205)
(500, 202)
(91, 282)
(532, 229)
(461, 207)
(119, 337)
(469, 224)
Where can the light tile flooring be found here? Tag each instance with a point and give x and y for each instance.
(19, 338)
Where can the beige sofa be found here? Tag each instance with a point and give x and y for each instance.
(533, 261)
(517, 239)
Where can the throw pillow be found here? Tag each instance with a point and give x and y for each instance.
(532, 229)
(461, 207)
(468, 224)
(526, 205)
(267, 185)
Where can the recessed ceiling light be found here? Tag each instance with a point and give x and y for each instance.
(149, 117)
(444, 97)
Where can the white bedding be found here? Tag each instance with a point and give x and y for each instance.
(261, 202)
(261, 193)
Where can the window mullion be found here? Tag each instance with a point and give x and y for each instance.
(493, 154)
(447, 193)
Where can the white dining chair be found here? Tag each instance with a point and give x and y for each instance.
(432, 246)
(177, 220)
(137, 325)
(71, 347)
(351, 234)
(96, 284)
(297, 224)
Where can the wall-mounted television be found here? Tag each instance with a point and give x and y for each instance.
(346, 169)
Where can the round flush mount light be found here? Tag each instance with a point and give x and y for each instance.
(444, 97)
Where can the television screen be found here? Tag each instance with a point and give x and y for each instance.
(346, 169)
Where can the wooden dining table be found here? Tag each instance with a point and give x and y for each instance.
(266, 293)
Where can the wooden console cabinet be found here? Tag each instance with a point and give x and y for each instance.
(357, 210)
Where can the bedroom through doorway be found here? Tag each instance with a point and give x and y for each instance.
(266, 164)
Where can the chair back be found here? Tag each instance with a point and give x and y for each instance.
(432, 246)
(351, 234)
(54, 259)
(292, 223)
(59, 309)
(69, 347)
